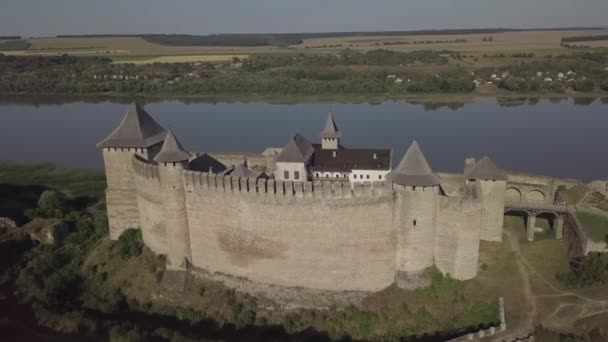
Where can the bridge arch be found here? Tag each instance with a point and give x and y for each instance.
(535, 195)
(512, 194)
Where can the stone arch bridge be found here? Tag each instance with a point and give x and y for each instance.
(533, 200)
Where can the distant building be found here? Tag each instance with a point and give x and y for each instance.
(303, 161)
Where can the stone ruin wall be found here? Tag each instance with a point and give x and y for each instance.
(292, 234)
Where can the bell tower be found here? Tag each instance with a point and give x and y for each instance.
(330, 136)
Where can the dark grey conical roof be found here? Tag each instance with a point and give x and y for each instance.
(298, 150)
(172, 151)
(331, 129)
(485, 169)
(414, 170)
(137, 129)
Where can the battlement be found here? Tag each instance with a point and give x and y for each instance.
(201, 181)
(144, 168)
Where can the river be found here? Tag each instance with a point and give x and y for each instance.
(557, 137)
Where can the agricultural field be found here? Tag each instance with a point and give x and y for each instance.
(492, 42)
(176, 59)
(125, 46)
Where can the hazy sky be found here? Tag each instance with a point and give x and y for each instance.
(50, 17)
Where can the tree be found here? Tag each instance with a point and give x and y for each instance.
(51, 204)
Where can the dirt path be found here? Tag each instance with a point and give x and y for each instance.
(527, 324)
(585, 307)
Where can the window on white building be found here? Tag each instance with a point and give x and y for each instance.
(317, 175)
(286, 174)
(296, 175)
(355, 176)
(367, 177)
(379, 176)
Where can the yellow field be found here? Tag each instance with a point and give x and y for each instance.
(509, 41)
(175, 59)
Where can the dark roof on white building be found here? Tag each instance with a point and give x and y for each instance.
(298, 150)
(172, 151)
(347, 159)
(414, 170)
(137, 129)
(331, 129)
(485, 169)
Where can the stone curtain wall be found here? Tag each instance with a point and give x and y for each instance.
(457, 237)
(314, 235)
(149, 202)
(320, 235)
(493, 202)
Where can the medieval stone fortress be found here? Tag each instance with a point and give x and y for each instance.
(311, 215)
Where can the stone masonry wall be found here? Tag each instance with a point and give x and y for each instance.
(457, 237)
(149, 202)
(319, 236)
(415, 221)
(493, 202)
(120, 194)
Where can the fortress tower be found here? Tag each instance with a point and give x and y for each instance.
(330, 136)
(137, 134)
(417, 190)
(491, 183)
(172, 161)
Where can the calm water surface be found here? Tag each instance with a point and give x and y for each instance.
(563, 139)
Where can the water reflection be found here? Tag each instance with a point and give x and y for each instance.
(556, 137)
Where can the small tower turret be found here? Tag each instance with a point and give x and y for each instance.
(172, 161)
(137, 134)
(330, 136)
(417, 189)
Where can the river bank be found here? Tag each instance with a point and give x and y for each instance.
(429, 99)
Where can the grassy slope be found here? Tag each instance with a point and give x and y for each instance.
(595, 226)
(73, 182)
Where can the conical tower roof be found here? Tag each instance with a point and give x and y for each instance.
(485, 169)
(331, 129)
(414, 170)
(137, 129)
(243, 171)
(298, 150)
(172, 151)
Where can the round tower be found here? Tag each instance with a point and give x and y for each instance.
(417, 189)
(172, 161)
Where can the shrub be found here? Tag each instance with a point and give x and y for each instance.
(584, 85)
(129, 244)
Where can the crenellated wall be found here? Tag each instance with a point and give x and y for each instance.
(314, 235)
(320, 235)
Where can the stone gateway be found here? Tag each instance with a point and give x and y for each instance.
(301, 219)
